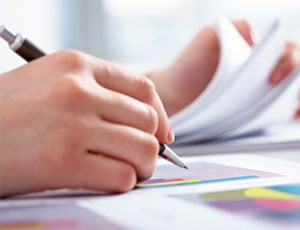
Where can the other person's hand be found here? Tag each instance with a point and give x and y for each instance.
(180, 83)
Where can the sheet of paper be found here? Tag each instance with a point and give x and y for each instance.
(177, 205)
(52, 216)
(273, 206)
(180, 206)
(268, 111)
(206, 172)
(250, 86)
(204, 210)
(281, 136)
(234, 52)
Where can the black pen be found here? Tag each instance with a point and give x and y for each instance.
(28, 51)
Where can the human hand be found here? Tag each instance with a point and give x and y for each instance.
(185, 79)
(69, 120)
(288, 62)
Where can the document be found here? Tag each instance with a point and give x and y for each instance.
(276, 137)
(220, 191)
(229, 191)
(240, 99)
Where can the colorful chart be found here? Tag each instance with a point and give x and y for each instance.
(177, 182)
(200, 173)
(278, 203)
(284, 198)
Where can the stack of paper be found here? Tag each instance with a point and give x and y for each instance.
(240, 99)
(271, 138)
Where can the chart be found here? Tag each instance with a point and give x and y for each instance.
(200, 173)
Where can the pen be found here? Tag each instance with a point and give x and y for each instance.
(28, 51)
(20, 45)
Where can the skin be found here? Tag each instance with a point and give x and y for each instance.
(69, 120)
(181, 82)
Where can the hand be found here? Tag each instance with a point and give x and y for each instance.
(69, 120)
(288, 62)
(179, 84)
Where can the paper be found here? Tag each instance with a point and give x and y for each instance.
(264, 182)
(234, 52)
(65, 215)
(239, 98)
(200, 173)
(278, 204)
(281, 136)
(220, 191)
(190, 206)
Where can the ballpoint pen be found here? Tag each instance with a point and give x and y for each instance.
(28, 51)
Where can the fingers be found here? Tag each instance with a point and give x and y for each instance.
(121, 109)
(246, 30)
(101, 173)
(135, 86)
(126, 144)
(288, 62)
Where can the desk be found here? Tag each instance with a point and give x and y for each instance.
(160, 208)
(291, 155)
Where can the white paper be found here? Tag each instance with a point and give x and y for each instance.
(161, 209)
(234, 51)
(240, 91)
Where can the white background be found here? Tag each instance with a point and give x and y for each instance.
(132, 31)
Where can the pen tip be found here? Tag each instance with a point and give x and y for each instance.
(185, 167)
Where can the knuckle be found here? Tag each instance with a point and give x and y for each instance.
(151, 122)
(152, 146)
(69, 89)
(146, 167)
(125, 179)
(147, 88)
(72, 88)
(67, 92)
(73, 60)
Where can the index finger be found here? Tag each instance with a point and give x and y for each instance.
(136, 86)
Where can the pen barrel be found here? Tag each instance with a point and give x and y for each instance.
(29, 51)
(161, 149)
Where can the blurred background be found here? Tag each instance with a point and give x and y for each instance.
(140, 33)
